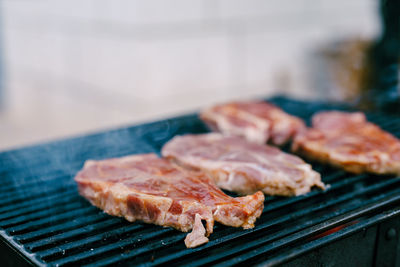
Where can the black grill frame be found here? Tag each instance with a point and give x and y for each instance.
(44, 221)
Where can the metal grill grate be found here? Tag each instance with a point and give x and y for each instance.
(47, 222)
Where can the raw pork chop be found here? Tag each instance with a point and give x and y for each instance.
(154, 190)
(241, 166)
(257, 121)
(349, 141)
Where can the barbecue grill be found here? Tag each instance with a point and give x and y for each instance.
(44, 221)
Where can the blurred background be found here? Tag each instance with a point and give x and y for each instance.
(69, 67)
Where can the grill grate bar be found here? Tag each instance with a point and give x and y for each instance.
(62, 228)
(338, 174)
(35, 225)
(16, 183)
(280, 204)
(109, 248)
(126, 255)
(75, 233)
(39, 194)
(40, 214)
(30, 203)
(40, 207)
(25, 174)
(91, 241)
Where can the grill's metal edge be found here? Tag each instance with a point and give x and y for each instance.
(315, 229)
(19, 249)
(377, 217)
(343, 233)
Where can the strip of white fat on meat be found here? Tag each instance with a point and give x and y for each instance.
(198, 235)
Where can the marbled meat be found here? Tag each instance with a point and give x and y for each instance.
(257, 121)
(347, 140)
(241, 166)
(154, 190)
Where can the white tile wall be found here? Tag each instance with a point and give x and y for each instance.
(148, 69)
(78, 65)
(150, 11)
(41, 51)
(257, 8)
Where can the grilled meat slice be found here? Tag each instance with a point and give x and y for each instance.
(154, 190)
(347, 140)
(257, 121)
(241, 166)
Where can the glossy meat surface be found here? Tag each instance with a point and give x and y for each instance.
(257, 121)
(154, 190)
(241, 166)
(349, 141)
